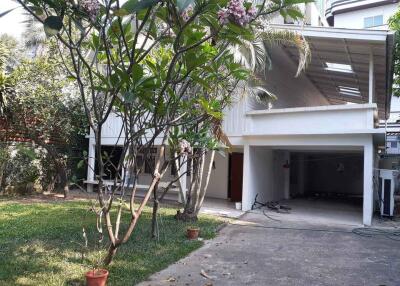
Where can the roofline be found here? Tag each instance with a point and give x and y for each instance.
(339, 6)
(331, 32)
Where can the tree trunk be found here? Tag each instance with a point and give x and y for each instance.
(156, 203)
(195, 201)
(2, 177)
(64, 183)
(112, 250)
(154, 225)
(189, 210)
(204, 189)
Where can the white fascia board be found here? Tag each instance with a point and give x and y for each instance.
(313, 109)
(376, 131)
(336, 33)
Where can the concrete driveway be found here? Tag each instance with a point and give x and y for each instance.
(256, 250)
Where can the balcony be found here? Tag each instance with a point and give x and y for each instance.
(333, 119)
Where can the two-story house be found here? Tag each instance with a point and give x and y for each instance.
(320, 138)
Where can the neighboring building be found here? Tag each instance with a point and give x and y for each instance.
(320, 136)
(361, 14)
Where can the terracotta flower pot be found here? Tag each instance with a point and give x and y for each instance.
(193, 232)
(96, 277)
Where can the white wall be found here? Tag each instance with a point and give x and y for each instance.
(264, 175)
(355, 19)
(258, 176)
(218, 185)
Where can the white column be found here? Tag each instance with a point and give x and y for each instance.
(368, 198)
(91, 162)
(371, 78)
(247, 197)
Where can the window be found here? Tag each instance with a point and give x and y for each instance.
(349, 90)
(393, 144)
(337, 67)
(111, 156)
(373, 21)
(149, 161)
(174, 171)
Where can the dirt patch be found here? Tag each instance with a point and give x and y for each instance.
(75, 195)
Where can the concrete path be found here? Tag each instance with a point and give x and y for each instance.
(256, 250)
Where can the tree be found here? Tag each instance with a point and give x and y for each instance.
(9, 56)
(42, 109)
(150, 62)
(394, 24)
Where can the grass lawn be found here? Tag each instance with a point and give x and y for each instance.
(40, 244)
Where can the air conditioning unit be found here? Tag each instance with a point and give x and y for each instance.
(387, 181)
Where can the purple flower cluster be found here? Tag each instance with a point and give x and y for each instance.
(237, 13)
(184, 147)
(91, 7)
(187, 13)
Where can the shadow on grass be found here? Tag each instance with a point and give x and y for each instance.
(39, 244)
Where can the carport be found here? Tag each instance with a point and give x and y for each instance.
(319, 185)
(322, 176)
(328, 184)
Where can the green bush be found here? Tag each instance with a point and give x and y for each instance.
(21, 172)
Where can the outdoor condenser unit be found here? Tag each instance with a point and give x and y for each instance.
(386, 191)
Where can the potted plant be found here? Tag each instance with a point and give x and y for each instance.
(97, 276)
(192, 232)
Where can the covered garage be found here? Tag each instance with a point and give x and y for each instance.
(323, 178)
(318, 185)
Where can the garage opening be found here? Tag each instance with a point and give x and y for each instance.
(328, 184)
(322, 186)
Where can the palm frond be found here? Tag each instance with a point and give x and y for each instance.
(280, 37)
(261, 94)
(251, 54)
(219, 134)
(2, 14)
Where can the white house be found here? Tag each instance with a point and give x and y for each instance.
(372, 14)
(320, 136)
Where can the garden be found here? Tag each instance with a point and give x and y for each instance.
(167, 69)
(42, 243)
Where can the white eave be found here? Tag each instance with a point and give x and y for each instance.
(312, 109)
(350, 47)
(330, 32)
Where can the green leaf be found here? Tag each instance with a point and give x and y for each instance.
(121, 12)
(52, 25)
(132, 6)
(137, 73)
(128, 96)
(294, 14)
(129, 6)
